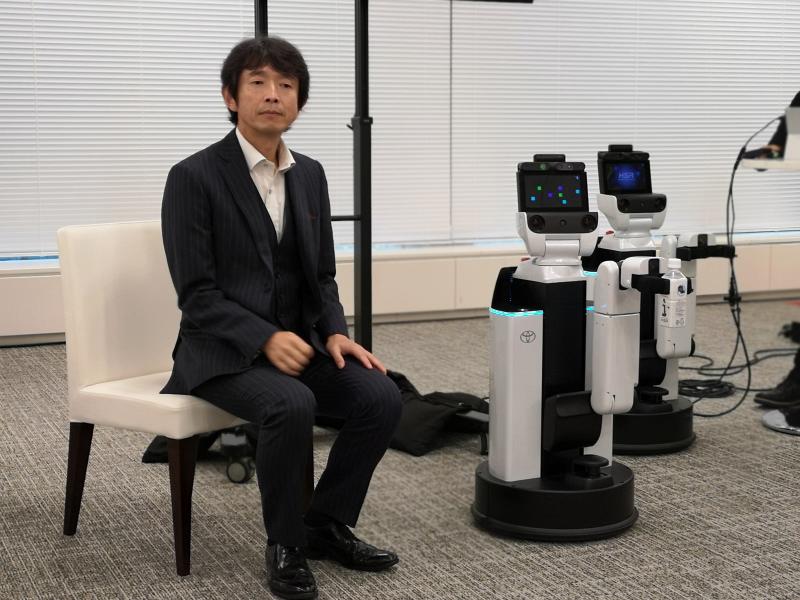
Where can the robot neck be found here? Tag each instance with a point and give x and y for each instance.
(534, 269)
(560, 252)
(626, 235)
(627, 243)
(633, 228)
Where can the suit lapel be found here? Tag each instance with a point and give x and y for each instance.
(297, 196)
(245, 194)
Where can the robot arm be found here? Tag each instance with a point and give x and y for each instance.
(696, 245)
(691, 247)
(688, 248)
(615, 341)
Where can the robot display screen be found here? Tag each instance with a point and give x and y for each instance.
(630, 177)
(556, 191)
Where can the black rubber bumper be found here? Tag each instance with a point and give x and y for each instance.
(657, 432)
(546, 510)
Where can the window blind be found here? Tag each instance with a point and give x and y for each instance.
(688, 81)
(99, 98)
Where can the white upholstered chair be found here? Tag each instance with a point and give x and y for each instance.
(121, 319)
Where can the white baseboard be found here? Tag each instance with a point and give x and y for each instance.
(30, 303)
(463, 281)
(408, 285)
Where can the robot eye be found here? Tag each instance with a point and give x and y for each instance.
(536, 222)
(589, 221)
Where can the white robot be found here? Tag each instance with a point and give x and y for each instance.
(660, 420)
(561, 369)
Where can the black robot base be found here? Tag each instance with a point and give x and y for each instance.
(556, 510)
(655, 429)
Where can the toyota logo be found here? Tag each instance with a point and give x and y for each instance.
(527, 336)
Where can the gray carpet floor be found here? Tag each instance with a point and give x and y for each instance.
(720, 520)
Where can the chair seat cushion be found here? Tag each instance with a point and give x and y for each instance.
(137, 404)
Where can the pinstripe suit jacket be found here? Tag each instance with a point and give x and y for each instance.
(218, 239)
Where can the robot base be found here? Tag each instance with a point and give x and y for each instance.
(663, 432)
(547, 510)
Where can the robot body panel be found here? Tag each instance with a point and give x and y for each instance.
(516, 395)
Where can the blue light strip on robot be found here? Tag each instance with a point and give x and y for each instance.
(521, 313)
(525, 313)
(590, 273)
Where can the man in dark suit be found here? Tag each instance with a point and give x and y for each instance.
(248, 238)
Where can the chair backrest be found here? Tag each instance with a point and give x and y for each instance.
(120, 307)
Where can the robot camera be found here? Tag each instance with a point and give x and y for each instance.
(562, 223)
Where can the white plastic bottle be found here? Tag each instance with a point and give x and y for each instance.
(673, 337)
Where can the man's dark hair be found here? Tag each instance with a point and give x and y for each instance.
(264, 51)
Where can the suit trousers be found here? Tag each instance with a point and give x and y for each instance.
(284, 408)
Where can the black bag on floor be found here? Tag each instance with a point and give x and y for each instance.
(156, 452)
(424, 418)
(791, 331)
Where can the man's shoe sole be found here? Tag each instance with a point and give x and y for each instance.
(320, 554)
(775, 403)
(292, 595)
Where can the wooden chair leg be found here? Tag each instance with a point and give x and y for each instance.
(80, 443)
(182, 458)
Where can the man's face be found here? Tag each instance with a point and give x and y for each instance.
(266, 104)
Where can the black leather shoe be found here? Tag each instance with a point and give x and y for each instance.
(786, 393)
(336, 542)
(289, 574)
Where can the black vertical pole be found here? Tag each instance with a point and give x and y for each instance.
(362, 183)
(262, 22)
(361, 124)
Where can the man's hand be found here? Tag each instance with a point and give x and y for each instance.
(288, 352)
(339, 346)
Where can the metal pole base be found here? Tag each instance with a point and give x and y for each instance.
(776, 420)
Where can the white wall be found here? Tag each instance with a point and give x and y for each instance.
(420, 284)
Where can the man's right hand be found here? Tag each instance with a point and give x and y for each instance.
(288, 352)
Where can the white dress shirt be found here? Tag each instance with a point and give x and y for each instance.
(270, 182)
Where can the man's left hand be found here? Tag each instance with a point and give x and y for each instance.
(339, 346)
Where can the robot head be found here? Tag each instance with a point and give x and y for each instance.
(553, 202)
(626, 195)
